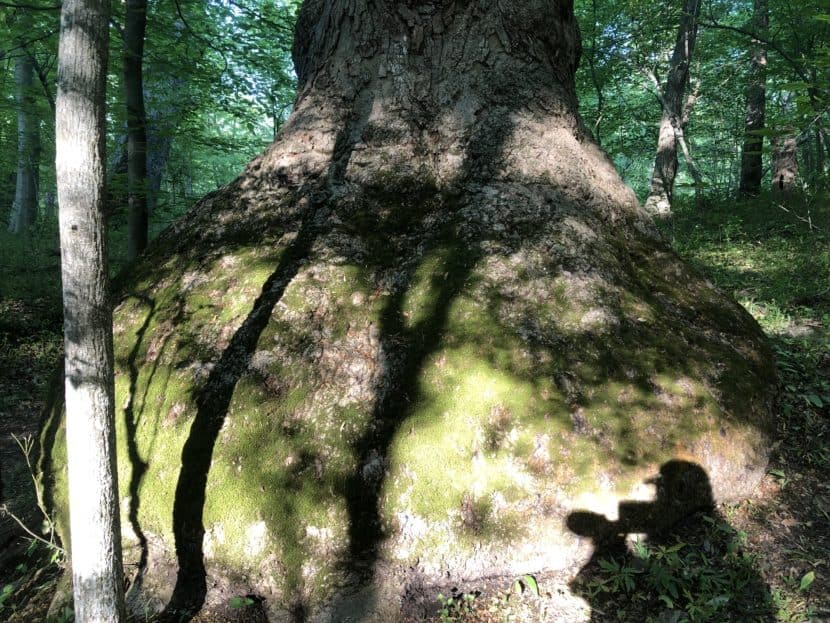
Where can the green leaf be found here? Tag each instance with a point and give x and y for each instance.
(532, 584)
(815, 400)
(807, 580)
(8, 589)
(240, 602)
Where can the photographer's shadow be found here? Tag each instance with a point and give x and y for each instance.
(687, 564)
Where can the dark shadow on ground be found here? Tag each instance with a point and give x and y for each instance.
(688, 567)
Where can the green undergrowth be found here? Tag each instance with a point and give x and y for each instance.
(774, 258)
(702, 573)
(30, 264)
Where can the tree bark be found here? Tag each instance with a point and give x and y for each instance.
(90, 437)
(752, 170)
(434, 196)
(138, 216)
(24, 207)
(672, 99)
(431, 93)
(784, 164)
(425, 118)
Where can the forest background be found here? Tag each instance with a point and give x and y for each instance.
(218, 83)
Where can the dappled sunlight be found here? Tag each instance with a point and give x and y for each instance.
(450, 408)
(521, 385)
(365, 378)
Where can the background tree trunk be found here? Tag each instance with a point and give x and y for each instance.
(752, 170)
(90, 434)
(784, 164)
(138, 215)
(673, 98)
(24, 208)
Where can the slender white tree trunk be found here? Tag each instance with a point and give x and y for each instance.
(80, 146)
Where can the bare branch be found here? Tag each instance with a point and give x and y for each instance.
(30, 7)
(797, 67)
(44, 80)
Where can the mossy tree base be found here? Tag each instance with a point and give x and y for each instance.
(402, 350)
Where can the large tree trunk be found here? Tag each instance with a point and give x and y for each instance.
(427, 324)
(80, 132)
(24, 208)
(672, 99)
(752, 170)
(138, 214)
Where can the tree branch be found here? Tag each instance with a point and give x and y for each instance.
(260, 17)
(44, 80)
(797, 67)
(30, 7)
(205, 41)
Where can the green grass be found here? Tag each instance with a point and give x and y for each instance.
(774, 258)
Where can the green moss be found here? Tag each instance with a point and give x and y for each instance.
(495, 397)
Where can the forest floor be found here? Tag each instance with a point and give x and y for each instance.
(767, 559)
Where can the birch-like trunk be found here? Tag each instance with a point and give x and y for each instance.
(90, 437)
(672, 99)
(752, 170)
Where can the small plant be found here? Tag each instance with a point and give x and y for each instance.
(458, 607)
(26, 445)
(780, 476)
(617, 577)
(807, 581)
(240, 602)
(6, 592)
(708, 578)
(526, 583)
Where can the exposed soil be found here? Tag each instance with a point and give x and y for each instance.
(30, 344)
